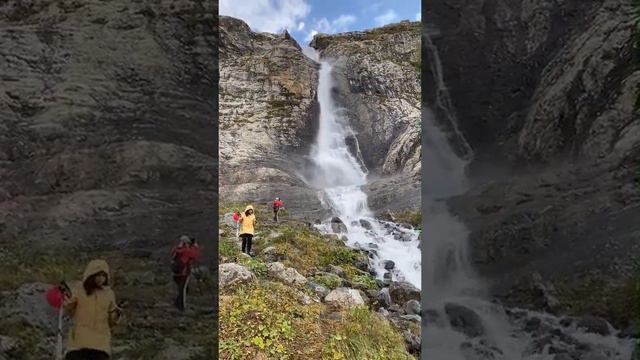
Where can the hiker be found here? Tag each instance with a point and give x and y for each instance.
(277, 204)
(184, 255)
(247, 224)
(92, 307)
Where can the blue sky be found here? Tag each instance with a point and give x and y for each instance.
(304, 18)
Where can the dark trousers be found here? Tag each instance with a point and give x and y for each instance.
(182, 284)
(246, 243)
(86, 354)
(275, 214)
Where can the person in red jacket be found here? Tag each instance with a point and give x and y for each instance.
(184, 255)
(277, 204)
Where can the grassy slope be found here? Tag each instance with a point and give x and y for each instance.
(265, 320)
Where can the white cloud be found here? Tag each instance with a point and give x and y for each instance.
(386, 18)
(339, 24)
(419, 16)
(267, 15)
(301, 26)
(343, 21)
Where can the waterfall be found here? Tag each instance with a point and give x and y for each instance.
(340, 175)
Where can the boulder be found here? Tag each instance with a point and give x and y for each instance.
(464, 320)
(232, 274)
(319, 290)
(412, 307)
(289, 276)
(593, 324)
(389, 265)
(401, 292)
(344, 298)
(365, 224)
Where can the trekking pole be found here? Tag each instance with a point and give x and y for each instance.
(59, 335)
(237, 228)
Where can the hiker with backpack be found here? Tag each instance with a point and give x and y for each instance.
(91, 304)
(247, 228)
(277, 205)
(184, 255)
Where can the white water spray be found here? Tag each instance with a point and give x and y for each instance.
(461, 321)
(340, 175)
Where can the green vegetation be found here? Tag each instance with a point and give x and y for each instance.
(362, 335)
(329, 281)
(22, 267)
(411, 217)
(366, 280)
(264, 320)
(600, 297)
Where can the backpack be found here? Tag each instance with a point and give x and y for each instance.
(177, 266)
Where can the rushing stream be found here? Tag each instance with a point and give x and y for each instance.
(461, 322)
(341, 175)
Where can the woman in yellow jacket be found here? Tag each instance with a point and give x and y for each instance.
(248, 222)
(92, 307)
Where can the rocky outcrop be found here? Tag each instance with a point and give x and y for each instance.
(560, 73)
(232, 274)
(106, 132)
(344, 298)
(378, 79)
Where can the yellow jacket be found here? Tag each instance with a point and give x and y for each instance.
(93, 315)
(248, 222)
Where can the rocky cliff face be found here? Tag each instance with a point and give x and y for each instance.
(560, 73)
(107, 148)
(269, 108)
(268, 114)
(563, 93)
(107, 117)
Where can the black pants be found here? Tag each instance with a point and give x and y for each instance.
(86, 354)
(246, 243)
(182, 284)
(275, 214)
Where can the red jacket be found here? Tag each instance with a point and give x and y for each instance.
(186, 256)
(277, 204)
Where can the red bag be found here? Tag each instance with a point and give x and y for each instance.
(55, 297)
(236, 217)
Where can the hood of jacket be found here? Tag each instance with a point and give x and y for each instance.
(94, 267)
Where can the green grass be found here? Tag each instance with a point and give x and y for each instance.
(411, 217)
(265, 320)
(306, 250)
(366, 280)
(619, 304)
(362, 335)
(19, 267)
(329, 281)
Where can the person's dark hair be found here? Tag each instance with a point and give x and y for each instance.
(90, 284)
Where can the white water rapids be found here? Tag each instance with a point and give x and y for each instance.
(341, 175)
